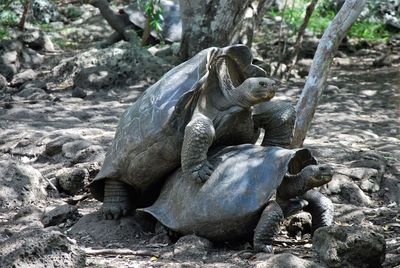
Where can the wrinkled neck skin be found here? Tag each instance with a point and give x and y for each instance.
(220, 94)
(292, 186)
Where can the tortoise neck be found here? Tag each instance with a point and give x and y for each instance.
(292, 185)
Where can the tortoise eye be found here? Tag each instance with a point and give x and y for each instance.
(263, 84)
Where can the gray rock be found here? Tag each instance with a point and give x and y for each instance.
(78, 92)
(3, 83)
(45, 11)
(286, 260)
(191, 246)
(21, 184)
(352, 194)
(35, 84)
(59, 215)
(36, 40)
(72, 180)
(346, 191)
(28, 217)
(9, 58)
(31, 93)
(93, 153)
(30, 59)
(23, 77)
(127, 62)
(368, 179)
(40, 248)
(161, 51)
(71, 149)
(97, 77)
(54, 146)
(299, 224)
(350, 214)
(350, 246)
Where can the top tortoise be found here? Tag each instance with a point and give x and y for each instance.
(204, 102)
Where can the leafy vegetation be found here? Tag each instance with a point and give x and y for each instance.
(7, 18)
(323, 14)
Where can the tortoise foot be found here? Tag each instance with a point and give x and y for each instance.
(114, 211)
(200, 173)
(116, 200)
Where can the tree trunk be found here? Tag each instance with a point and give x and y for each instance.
(27, 6)
(210, 23)
(299, 38)
(316, 80)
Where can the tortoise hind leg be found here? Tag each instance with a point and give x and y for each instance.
(267, 227)
(320, 207)
(116, 199)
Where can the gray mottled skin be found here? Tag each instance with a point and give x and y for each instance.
(236, 199)
(204, 102)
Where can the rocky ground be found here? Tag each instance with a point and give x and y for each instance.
(59, 111)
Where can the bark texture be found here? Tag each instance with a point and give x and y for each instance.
(316, 80)
(213, 23)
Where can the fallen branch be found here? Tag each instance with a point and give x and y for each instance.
(291, 242)
(121, 251)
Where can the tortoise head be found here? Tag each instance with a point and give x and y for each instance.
(241, 83)
(254, 90)
(317, 175)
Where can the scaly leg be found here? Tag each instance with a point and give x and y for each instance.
(320, 207)
(277, 119)
(267, 227)
(116, 200)
(199, 135)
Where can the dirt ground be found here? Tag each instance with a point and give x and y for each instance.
(356, 125)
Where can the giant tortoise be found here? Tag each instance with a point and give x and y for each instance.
(202, 103)
(235, 202)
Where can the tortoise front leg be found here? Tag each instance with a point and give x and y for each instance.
(267, 227)
(277, 119)
(199, 135)
(320, 207)
(116, 199)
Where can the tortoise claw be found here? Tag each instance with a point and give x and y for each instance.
(114, 211)
(202, 172)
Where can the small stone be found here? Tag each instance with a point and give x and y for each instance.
(299, 224)
(352, 194)
(21, 184)
(332, 89)
(93, 153)
(23, 77)
(32, 93)
(286, 260)
(72, 180)
(350, 246)
(71, 149)
(3, 83)
(191, 246)
(78, 92)
(59, 215)
(55, 146)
